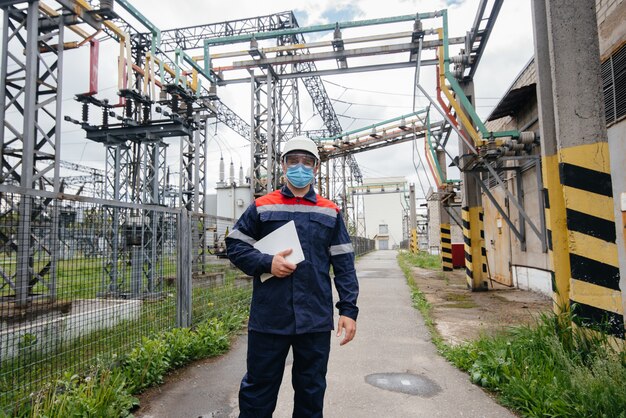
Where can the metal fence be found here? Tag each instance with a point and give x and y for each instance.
(83, 278)
(362, 245)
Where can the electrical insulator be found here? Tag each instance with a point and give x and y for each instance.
(146, 113)
(129, 108)
(107, 4)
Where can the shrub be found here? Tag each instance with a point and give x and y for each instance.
(147, 363)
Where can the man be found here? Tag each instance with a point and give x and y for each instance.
(294, 307)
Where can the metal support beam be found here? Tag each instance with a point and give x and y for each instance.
(30, 91)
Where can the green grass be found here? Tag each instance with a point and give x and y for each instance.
(82, 277)
(421, 259)
(107, 387)
(33, 368)
(548, 369)
(406, 261)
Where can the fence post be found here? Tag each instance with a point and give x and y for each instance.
(183, 270)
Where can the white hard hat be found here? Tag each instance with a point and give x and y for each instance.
(301, 143)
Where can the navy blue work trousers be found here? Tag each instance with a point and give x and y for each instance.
(266, 362)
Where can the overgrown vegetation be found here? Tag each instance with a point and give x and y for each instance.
(549, 369)
(107, 389)
(150, 344)
(421, 259)
(406, 260)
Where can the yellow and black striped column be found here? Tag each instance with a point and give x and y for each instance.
(473, 238)
(558, 247)
(413, 247)
(575, 154)
(595, 295)
(483, 249)
(446, 248)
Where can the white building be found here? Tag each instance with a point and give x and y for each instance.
(385, 204)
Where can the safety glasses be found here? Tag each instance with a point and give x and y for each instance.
(307, 160)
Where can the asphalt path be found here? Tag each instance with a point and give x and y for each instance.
(391, 369)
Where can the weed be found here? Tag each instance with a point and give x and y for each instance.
(548, 369)
(421, 259)
(108, 387)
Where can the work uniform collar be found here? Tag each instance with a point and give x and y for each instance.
(310, 195)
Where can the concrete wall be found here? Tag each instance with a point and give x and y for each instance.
(51, 330)
(509, 263)
(611, 31)
(617, 148)
(434, 221)
(504, 250)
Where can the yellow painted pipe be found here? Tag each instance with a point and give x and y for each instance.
(53, 13)
(471, 130)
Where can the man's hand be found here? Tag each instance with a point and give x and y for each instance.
(280, 266)
(349, 325)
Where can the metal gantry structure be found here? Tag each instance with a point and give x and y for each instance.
(134, 130)
(31, 77)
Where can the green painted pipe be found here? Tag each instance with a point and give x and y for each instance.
(434, 155)
(156, 32)
(486, 134)
(318, 28)
(375, 125)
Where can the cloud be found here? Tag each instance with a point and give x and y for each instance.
(302, 16)
(341, 13)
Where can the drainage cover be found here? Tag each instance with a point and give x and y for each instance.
(404, 383)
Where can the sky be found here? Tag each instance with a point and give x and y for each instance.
(359, 99)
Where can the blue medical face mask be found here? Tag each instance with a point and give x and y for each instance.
(299, 175)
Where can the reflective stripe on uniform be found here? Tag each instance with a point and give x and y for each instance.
(341, 249)
(297, 208)
(236, 234)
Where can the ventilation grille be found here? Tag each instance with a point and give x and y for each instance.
(614, 86)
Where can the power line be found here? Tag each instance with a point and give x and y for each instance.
(369, 104)
(416, 166)
(392, 93)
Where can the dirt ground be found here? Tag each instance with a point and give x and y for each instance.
(461, 315)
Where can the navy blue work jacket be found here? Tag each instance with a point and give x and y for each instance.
(302, 302)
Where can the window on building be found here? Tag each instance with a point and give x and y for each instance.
(383, 229)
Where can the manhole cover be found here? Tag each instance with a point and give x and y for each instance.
(404, 383)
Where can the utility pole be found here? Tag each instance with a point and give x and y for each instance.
(472, 214)
(412, 220)
(444, 218)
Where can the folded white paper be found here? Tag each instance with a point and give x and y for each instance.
(281, 239)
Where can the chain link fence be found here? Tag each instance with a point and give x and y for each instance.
(83, 279)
